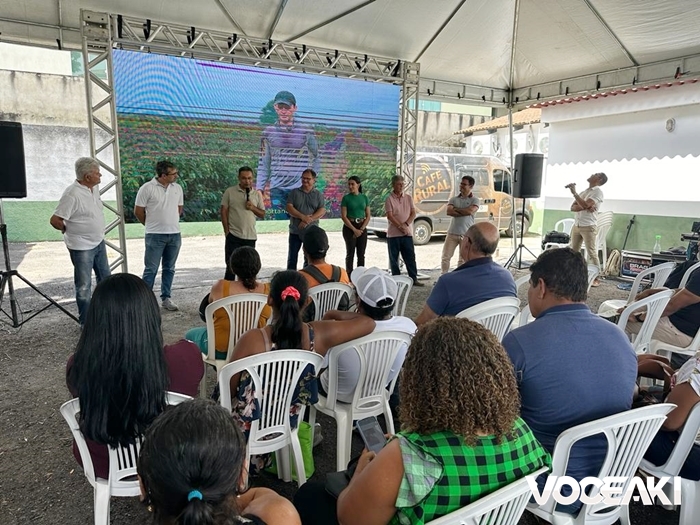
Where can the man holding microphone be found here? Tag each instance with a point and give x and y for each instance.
(240, 205)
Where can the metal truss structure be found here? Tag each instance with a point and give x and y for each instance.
(102, 123)
(102, 32)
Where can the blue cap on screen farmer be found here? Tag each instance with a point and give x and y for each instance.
(285, 97)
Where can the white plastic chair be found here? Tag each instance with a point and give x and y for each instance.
(122, 481)
(628, 435)
(405, 284)
(664, 348)
(243, 314)
(275, 375)
(687, 273)
(495, 314)
(593, 272)
(377, 353)
(690, 490)
(565, 226)
(654, 305)
(521, 281)
(502, 507)
(327, 297)
(660, 273)
(604, 223)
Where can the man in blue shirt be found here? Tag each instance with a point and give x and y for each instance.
(477, 280)
(572, 366)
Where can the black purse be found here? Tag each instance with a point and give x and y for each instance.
(336, 482)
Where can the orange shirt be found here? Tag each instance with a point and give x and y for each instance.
(327, 270)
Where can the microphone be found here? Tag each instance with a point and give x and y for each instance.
(247, 194)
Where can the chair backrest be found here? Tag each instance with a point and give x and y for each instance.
(660, 273)
(687, 273)
(564, 225)
(243, 314)
(275, 375)
(327, 297)
(405, 284)
(628, 436)
(654, 305)
(525, 316)
(495, 314)
(377, 352)
(122, 460)
(502, 507)
(520, 281)
(604, 223)
(593, 272)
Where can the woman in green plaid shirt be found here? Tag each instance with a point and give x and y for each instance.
(461, 437)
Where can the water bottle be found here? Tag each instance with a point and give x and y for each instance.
(657, 245)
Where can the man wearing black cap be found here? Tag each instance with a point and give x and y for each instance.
(287, 149)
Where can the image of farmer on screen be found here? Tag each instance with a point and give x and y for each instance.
(287, 148)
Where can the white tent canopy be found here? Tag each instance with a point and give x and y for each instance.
(552, 47)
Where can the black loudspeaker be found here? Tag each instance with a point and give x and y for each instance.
(13, 177)
(527, 179)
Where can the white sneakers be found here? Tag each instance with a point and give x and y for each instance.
(169, 305)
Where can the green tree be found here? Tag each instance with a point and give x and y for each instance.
(268, 115)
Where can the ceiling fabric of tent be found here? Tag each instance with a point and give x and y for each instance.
(463, 41)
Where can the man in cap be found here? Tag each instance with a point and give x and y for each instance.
(287, 148)
(376, 294)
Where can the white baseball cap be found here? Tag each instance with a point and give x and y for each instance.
(374, 285)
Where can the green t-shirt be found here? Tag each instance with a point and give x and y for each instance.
(355, 204)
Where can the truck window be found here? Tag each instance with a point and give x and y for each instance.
(501, 181)
(481, 176)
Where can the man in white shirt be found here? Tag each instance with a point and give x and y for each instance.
(240, 205)
(159, 206)
(80, 218)
(586, 205)
(376, 293)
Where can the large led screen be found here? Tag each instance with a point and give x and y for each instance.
(210, 118)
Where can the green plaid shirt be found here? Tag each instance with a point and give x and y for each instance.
(443, 474)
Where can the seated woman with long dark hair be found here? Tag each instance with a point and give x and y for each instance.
(461, 435)
(288, 297)
(245, 264)
(120, 370)
(192, 472)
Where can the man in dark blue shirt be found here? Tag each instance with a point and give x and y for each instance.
(477, 280)
(572, 366)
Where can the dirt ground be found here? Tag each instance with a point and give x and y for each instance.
(40, 483)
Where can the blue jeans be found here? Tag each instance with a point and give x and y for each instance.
(404, 246)
(165, 246)
(293, 251)
(84, 262)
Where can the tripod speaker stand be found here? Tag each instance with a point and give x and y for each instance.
(518, 253)
(6, 283)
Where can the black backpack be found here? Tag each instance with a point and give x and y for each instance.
(310, 310)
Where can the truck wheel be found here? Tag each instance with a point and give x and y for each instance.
(519, 219)
(421, 232)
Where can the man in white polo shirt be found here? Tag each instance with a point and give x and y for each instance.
(159, 206)
(79, 217)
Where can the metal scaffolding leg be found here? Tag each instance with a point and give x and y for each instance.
(102, 123)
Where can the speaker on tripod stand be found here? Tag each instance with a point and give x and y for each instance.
(13, 185)
(527, 184)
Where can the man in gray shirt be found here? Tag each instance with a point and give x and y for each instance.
(305, 207)
(461, 208)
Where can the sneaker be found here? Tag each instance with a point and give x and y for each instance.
(318, 437)
(418, 283)
(169, 305)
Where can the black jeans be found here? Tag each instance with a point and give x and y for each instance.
(353, 243)
(314, 505)
(233, 242)
(293, 252)
(404, 246)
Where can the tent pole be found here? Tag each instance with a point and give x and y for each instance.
(513, 218)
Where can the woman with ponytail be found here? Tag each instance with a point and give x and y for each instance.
(288, 297)
(245, 265)
(354, 211)
(192, 472)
